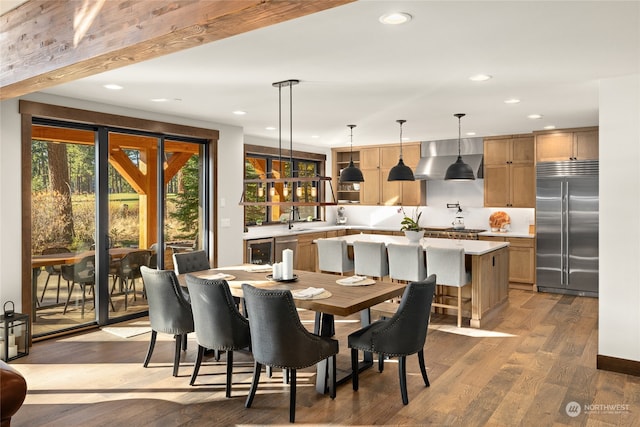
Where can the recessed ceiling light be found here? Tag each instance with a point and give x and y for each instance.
(548, 127)
(315, 136)
(113, 86)
(159, 100)
(270, 128)
(512, 101)
(239, 113)
(480, 77)
(535, 116)
(395, 18)
(470, 133)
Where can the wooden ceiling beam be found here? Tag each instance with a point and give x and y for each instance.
(46, 43)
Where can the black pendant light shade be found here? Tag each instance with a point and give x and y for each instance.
(351, 173)
(459, 171)
(400, 172)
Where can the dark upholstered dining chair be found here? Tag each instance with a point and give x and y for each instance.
(169, 310)
(279, 340)
(218, 323)
(187, 262)
(403, 334)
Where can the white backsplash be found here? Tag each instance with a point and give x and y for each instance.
(470, 195)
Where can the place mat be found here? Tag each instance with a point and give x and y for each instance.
(237, 284)
(323, 295)
(349, 281)
(127, 331)
(217, 276)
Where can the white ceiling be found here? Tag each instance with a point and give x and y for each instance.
(353, 69)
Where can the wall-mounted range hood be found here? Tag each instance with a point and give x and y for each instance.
(436, 156)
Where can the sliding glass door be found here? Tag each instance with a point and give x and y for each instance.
(104, 202)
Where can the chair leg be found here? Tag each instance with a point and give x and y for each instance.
(196, 367)
(257, 368)
(380, 362)
(332, 377)
(66, 304)
(229, 372)
(292, 401)
(354, 368)
(45, 287)
(176, 356)
(184, 342)
(402, 372)
(423, 369)
(152, 344)
(459, 307)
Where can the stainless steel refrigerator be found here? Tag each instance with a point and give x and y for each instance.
(567, 227)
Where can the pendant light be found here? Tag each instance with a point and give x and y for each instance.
(351, 173)
(459, 171)
(401, 172)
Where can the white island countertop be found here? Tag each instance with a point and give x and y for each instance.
(260, 232)
(471, 247)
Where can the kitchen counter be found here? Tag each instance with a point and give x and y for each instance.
(261, 232)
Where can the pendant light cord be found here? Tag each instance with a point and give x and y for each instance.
(459, 135)
(291, 128)
(401, 123)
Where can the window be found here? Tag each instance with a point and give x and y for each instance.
(261, 166)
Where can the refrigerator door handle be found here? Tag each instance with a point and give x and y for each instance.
(562, 233)
(566, 231)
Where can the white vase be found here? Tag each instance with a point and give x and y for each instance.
(414, 236)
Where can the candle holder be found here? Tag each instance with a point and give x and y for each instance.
(14, 335)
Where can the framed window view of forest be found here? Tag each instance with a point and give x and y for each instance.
(262, 166)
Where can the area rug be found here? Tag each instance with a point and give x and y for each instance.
(127, 331)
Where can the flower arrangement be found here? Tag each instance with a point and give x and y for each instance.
(410, 223)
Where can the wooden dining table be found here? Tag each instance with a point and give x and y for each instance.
(343, 301)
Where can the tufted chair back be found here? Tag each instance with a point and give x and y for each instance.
(187, 262)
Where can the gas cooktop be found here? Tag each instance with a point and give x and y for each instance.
(457, 230)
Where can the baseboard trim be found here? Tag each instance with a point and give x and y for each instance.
(621, 366)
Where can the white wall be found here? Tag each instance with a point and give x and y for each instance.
(229, 175)
(10, 212)
(619, 320)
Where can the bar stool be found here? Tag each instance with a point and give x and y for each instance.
(448, 266)
(333, 256)
(370, 259)
(406, 262)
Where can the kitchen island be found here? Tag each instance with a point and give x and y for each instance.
(488, 262)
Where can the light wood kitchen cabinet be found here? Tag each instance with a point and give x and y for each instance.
(522, 258)
(370, 166)
(567, 144)
(509, 171)
(375, 162)
(307, 251)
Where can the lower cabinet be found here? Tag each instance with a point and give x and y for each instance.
(307, 251)
(522, 258)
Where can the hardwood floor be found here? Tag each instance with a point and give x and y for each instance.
(534, 358)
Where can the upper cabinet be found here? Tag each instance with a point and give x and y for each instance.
(375, 162)
(509, 171)
(567, 144)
